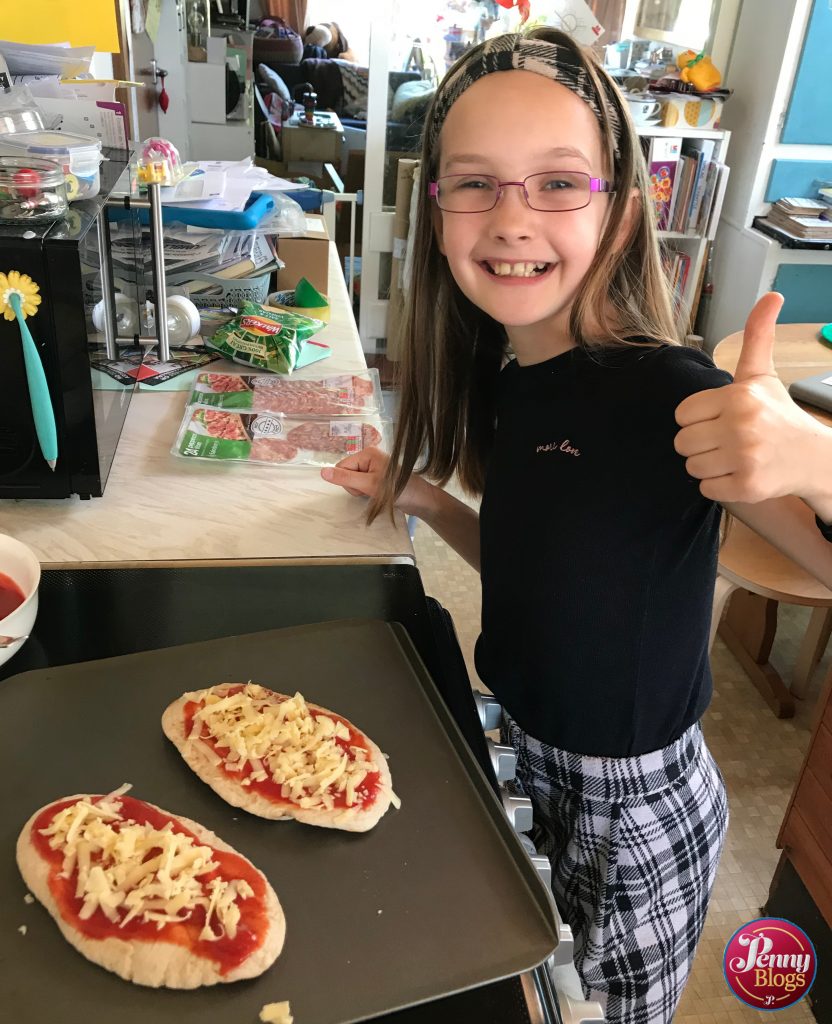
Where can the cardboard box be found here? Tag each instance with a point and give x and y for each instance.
(305, 256)
(319, 145)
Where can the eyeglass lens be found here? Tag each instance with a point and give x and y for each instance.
(548, 191)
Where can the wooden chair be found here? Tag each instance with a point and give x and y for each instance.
(755, 577)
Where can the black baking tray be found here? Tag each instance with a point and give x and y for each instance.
(437, 899)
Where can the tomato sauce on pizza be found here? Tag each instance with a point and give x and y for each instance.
(226, 950)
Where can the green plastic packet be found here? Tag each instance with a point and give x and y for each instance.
(307, 295)
(268, 339)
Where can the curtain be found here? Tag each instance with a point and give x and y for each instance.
(293, 12)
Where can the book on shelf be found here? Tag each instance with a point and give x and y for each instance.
(716, 201)
(702, 152)
(677, 268)
(681, 194)
(786, 239)
(800, 206)
(661, 166)
(801, 227)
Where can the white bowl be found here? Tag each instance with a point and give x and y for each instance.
(20, 564)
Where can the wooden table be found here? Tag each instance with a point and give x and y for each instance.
(754, 574)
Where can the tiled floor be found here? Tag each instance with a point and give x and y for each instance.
(759, 756)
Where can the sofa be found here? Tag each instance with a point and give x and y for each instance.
(342, 86)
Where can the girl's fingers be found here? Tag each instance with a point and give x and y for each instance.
(698, 438)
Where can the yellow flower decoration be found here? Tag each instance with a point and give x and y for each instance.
(22, 285)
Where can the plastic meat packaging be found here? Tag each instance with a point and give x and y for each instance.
(265, 339)
(227, 436)
(344, 394)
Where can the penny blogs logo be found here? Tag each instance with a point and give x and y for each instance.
(770, 963)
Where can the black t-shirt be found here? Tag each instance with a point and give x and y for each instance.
(598, 551)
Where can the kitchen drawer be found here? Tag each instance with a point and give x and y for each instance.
(810, 861)
(820, 758)
(814, 803)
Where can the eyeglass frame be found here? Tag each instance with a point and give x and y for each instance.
(601, 185)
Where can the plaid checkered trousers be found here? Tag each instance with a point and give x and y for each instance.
(634, 844)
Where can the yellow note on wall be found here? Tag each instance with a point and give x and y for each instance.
(80, 23)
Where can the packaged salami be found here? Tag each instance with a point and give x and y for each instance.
(227, 436)
(345, 394)
(266, 339)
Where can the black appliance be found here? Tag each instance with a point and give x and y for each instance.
(62, 258)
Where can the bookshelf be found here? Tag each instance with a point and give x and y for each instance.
(691, 243)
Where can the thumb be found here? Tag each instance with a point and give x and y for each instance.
(757, 353)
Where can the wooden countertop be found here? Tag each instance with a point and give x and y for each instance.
(160, 510)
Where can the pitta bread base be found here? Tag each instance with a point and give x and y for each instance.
(200, 758)
(155, 964)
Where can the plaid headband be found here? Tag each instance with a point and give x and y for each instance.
(521, 53)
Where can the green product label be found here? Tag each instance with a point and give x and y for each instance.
(201, 446)
(223, 400)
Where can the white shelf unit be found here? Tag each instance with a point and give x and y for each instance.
(695, 245)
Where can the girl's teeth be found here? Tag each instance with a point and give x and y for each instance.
(517, 269)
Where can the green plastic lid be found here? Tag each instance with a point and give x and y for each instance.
(826, 334)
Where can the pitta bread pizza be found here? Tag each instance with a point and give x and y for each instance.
(154, 897)
(281, 757)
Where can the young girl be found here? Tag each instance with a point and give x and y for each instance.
(597, 547)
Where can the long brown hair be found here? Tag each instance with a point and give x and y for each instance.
(452, 351)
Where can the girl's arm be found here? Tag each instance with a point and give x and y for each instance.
(789, 524)
(456, 523)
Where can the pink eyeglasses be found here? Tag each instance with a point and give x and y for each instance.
(549, 191)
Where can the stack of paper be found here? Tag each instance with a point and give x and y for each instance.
(68, 97)
(224, 185)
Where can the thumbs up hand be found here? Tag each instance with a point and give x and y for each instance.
(747, 441)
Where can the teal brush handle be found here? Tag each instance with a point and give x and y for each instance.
(38, 389)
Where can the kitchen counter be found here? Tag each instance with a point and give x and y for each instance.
(159, 510)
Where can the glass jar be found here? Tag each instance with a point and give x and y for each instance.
(31, 190)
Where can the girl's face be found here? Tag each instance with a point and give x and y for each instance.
(512, 124)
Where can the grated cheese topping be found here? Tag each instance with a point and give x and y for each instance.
(276, 1013)
(137, 870)
(287, 743)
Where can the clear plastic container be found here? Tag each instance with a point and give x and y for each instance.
(31, 190)
(227, 436)
(79, 156)
(343, 394)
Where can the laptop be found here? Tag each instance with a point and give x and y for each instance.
(815, 391)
